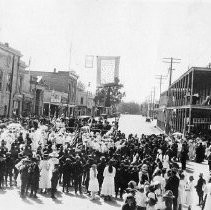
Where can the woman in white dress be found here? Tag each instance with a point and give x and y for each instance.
(44, 182)
(93, 181)
(207, 193)
(189, 189)
(166, 161)
(181, 191)
(108, 189)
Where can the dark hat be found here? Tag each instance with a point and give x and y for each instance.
(129, 196)
(168, 194)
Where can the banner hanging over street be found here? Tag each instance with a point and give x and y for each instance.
(107, 69)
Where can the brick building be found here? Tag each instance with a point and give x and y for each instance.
(10, 80)
(62, 84)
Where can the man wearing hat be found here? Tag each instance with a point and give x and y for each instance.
(54, 180)
(173, 184)
(24, 175)
(199, 188)
(2, 169)
(9, 165)
(100, 168)
(34, 175)
(67, 170)
(77, 175)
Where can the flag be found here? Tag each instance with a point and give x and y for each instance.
(89, 61)
(79, 144)
(75, 139)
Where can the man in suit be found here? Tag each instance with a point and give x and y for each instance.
(77, 175)
(54, 180)
(173, 184)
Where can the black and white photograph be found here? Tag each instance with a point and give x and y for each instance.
(105, 104)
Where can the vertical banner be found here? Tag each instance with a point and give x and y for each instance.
(107, 69)
(89, 61)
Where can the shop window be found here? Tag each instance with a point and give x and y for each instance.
(82, 100)
(9, 82)
(20, 85)
(1, 79)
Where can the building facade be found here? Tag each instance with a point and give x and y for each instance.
(60, 96)
(188, 103)
(33, 89)
(10, 83)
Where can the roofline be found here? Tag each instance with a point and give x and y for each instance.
(10, 50)
(51, 72)
(193, 68)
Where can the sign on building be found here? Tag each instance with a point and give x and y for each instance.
(55, 98)
(107, 69)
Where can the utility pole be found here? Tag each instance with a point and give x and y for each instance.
(160, 77)
(171, 61)
(153, 106)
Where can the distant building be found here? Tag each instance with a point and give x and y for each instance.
(61, 94)
(84, 100)
(33, 88)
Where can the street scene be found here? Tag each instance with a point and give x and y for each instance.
(105, 104)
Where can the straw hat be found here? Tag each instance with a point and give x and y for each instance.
(168, 194)
(54, 154)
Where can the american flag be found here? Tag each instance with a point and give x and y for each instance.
(75, 139)
(79, 144)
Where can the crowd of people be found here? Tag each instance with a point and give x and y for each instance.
(144, 171)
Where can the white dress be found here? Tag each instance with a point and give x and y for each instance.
(44, 174)
(108, 182)
(166, 161)
(181, 192)
(189, 188)
(207, 191)
(93, 181)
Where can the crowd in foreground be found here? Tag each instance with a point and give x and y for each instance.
(145, 172)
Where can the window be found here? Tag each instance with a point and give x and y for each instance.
(9, 84)
(20, 85)
(1, 80)
(82, 100)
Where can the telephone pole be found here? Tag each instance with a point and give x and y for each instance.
(160, 77)
(153, 108)
(171, 61)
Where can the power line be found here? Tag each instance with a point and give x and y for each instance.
(171, 61)
(160, 77)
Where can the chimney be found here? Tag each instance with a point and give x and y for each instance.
(6, 44)
(54, 70)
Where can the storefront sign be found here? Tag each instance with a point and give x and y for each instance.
(55, 98)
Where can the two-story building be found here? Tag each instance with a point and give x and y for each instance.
(60, 97)
(188, 106)
(10, 83)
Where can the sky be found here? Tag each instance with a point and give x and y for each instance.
(60, 33)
